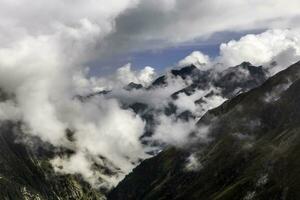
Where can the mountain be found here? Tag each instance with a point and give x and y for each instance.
(251, 152)
(184, 72)
(26, 172)
(132, 86)
(231, 81)
(223, 83)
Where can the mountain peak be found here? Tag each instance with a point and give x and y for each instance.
(132, 86)
(185, 71)
(245, 63)
(252, 141)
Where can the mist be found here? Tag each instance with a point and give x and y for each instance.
(44, 55)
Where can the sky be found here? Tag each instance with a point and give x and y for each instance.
(53, 51)
(168, 57)
(161, 59)
(147, 34)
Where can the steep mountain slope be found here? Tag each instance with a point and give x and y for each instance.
(252, 152)
(206, 84)
(24, 175)
(231, 81)
(25, 170)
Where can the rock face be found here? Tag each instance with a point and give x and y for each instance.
(252, 152)
(132, 86)
(231, 81)
(243, 74)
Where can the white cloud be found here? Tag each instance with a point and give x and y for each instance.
(45, 46)
(125, 75)
(146, 76)
(193, 163)
(173, 131)
(156, 98)
(275, 49)
(42, 60)
(129, 25)
(281, 46)
(176, 132)
(121, 78)
(196, 58)
(76, 164)
(147, 25)
(187, 102)
(9, 111)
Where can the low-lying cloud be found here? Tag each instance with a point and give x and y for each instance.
(46, 45)
(273, 49)
(122, 77)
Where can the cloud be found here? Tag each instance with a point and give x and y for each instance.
(193, 163)
(77, 164)
(187, 102)
(124, 26)
(123, 76)
(274, 94)
(177, 132)
(46, 47)
(9, 111)
(274, 49)
(147, 26)
(173, 131)
(156, 98)
(44, 89)
(42, 66)
(280, 46)
(196, 58)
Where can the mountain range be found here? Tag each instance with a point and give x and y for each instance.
(250, 151)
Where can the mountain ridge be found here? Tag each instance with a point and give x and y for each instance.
(73, 185)
(251, 145)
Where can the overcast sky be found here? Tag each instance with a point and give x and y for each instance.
(159, 34)
(164, 58)
(142, 31)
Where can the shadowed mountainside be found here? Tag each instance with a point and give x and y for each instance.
(253, 152)
(28, 175)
